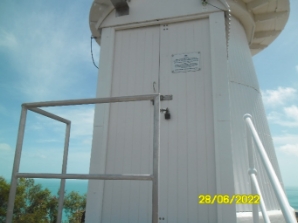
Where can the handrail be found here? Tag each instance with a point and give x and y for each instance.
(279, 192)
(34, 107)
(255, 182)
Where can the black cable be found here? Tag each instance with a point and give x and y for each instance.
(92, 37)
(205, 2)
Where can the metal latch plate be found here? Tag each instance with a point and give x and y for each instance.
(166, 97)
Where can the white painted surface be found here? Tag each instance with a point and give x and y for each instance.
(203, 148)
(130, 133)
(143, 56)
(221, 115)
(187, 148)
(246, 98)
(100, 130)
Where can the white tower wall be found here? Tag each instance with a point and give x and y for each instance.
(203, 145)
(195, 154)
(246, 97)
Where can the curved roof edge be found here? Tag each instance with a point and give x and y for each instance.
(263, 20)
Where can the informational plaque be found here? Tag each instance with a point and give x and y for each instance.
(186, 62)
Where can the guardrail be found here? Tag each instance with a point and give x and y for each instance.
(252, 136)
(35, 107)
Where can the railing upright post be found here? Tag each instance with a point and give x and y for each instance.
(64, 168)
(278, 190)
(255, 208)
(254, 180)
(156, 152)
(16, 166)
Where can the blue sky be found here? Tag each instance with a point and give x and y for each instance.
(45, 55)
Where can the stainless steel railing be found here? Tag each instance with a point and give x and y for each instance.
(252, 136)
(35, 107)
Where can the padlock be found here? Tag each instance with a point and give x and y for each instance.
(167, 114)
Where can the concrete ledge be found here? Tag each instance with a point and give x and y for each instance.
(275, 217)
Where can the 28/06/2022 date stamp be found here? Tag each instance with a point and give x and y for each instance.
(227, 199)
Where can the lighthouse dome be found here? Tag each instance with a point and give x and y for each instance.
(263, 20)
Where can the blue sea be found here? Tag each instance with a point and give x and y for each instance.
(292, 194)
(79, 186)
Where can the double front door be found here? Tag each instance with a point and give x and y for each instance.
(171, 59)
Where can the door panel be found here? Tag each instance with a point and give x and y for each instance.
(130, 138)
(187, 150)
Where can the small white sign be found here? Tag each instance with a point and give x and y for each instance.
(186, 62)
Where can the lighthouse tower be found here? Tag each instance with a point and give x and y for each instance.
(199, 55)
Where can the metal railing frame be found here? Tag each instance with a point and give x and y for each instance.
(253, 138)
(63, 176)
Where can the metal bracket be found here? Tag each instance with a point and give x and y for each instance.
(121, 7)
(164, 98)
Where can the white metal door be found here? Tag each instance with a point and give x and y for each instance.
(187, 149)
(187, 164)
(130, 136)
